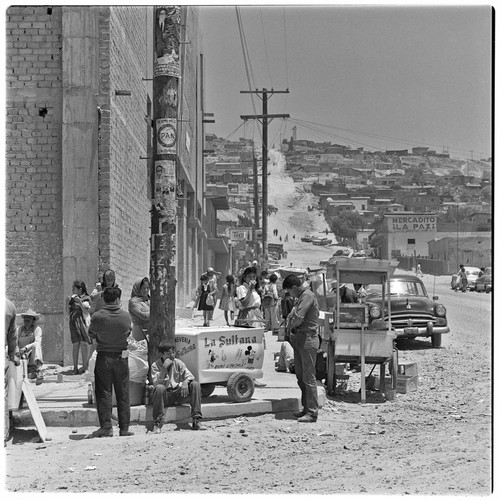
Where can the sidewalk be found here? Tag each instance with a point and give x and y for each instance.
(65, 404)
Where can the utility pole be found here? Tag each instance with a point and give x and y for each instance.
(166, 76)
(255, 205)
(264, 118)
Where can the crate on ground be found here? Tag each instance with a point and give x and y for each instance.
(408, 368)
(406, 383)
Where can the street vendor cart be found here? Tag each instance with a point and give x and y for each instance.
(230, 357)
(353, 335)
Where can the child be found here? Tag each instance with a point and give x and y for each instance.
(227, 298)
(205, 299)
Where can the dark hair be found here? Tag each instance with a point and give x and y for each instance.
(273, 278)
(246, 272)
(165, 346)
(81, 286)
(230, 278)
(111, 274)
(291, 280)
(111, 293)
(203, 277)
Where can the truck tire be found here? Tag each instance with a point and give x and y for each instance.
(207, 389)
(436, 340)
(240, 387)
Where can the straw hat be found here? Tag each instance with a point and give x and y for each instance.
(31, 314)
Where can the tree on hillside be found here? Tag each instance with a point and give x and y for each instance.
(346, 224)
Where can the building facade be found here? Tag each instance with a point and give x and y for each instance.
(79, 132)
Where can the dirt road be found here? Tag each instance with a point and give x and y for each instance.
(433, 441)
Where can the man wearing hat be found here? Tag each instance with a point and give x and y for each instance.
(29, 341)
(347, 296)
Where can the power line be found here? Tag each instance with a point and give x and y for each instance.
(265, 47)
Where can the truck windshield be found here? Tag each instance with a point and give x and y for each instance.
(403, 288)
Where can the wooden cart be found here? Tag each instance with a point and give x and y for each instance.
(350, 340)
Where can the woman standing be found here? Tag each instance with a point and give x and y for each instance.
(249, 299)
(269, 302)
(227, 298)
(138, 308)
(108, 279)
(79, 320)
(205, 299)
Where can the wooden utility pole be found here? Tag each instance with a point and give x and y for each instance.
(166, 75)
(256, 224)
(264, 118)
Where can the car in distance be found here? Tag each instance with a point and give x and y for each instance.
(307, 238)
(472, 276)
(413, 313)
(485, 282)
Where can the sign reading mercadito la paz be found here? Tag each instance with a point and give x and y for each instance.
(402, 223)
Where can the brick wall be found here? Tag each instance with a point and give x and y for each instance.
(125, 192)
(33, 166)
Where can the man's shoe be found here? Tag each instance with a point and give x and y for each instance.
(99, 433)
(256, 383)
(156, 429)
(197, 426)
(299, 414)
(126, 432)
(307, 418)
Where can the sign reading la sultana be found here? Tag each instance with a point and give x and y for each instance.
(412, 223)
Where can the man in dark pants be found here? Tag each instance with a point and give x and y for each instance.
(173, 384)
(302, 326)
(111, 327)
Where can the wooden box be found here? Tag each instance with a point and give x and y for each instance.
(407, 368)
(406, 383)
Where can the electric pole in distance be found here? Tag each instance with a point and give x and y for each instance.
(264, 118)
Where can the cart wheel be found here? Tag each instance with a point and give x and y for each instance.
(436, 340)
(207, 389)
(240, 387)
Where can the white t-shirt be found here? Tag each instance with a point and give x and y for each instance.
(241, 293)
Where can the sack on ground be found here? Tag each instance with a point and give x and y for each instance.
(286, 356)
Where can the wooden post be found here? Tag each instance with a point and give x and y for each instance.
(166, 75)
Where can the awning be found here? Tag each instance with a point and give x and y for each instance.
(218, 245)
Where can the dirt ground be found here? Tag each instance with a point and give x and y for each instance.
(435, 441)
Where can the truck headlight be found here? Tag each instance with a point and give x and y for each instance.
(375, 312)
(440, 310)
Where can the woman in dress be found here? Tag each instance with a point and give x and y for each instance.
(249, 300)
(227, 298)
(138, 308)
(205, 299)
(79, 321)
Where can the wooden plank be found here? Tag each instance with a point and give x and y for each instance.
(35, 410)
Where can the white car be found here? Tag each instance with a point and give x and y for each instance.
(472, 275)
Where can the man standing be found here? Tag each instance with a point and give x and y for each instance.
(111, 327)
(302, 325)
(173, 384)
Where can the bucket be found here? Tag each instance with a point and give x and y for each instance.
(390, 394)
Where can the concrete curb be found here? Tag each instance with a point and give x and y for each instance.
(85, 417)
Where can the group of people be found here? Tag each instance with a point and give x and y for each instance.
(110, 327)
(251, 302)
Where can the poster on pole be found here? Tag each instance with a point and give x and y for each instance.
(167, 35)
(166, 136)
(165, 189)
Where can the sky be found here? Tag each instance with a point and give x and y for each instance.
(377, 77)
